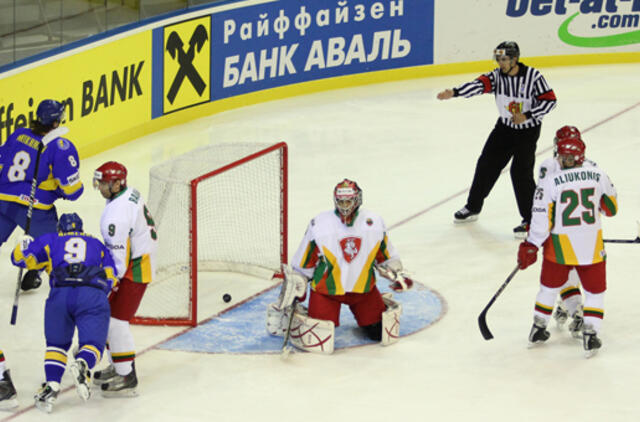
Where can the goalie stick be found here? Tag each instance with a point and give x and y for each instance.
(286, 349)
(50, 136)
(482, 318)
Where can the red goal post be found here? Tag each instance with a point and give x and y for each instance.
(221, 207)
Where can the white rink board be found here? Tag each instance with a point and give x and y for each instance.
(473, 34)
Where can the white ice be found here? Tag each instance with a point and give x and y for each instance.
(414, 157)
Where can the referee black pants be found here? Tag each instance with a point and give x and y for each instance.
(503, 144)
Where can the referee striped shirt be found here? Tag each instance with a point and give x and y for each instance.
(527, 92)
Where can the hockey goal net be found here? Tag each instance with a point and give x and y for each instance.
(217, 208)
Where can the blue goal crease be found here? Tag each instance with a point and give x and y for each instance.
(243, 330)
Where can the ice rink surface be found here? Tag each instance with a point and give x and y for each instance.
(414, 158)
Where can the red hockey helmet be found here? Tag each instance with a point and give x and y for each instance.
(573, 147)
(110, 172)
(347, 197)
(565, 132)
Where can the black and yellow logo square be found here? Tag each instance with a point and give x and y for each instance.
(187, 64)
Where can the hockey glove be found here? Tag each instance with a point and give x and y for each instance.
(25, 241)
(402, 283)
(400, 280)
(527, 254)
(31, 280)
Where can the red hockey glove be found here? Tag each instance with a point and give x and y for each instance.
(527, 254)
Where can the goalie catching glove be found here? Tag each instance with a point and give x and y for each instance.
(392, 270)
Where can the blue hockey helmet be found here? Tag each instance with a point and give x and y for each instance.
(50, 111)
(70, 222)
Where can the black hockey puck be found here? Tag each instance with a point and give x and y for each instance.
(226, 297)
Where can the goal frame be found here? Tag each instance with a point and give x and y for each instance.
(192, 319)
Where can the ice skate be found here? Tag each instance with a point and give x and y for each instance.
(576, 324)
(561, 314)
(8, 395)
(463, 215)
(590, 342)
(105, 375)
(121, 386)
(46, 396)
(521, 231)
(539, 333)
(81, 378)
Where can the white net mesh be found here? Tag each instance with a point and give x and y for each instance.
(239, 220)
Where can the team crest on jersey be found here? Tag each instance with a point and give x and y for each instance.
(514, 107)
(63, 144)
(369, 222)
(350, 247)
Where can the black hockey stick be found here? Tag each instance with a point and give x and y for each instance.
(55, 133)
(482, 319)
(285, 344)
(636, 240)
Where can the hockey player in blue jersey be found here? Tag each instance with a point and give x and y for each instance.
(81, 275)
(57, 177)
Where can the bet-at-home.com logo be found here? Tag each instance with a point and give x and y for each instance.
(589, 23)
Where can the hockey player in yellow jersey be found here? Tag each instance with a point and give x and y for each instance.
(129, 232)
(566, 223)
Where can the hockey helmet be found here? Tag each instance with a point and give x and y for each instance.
(347, 197)
(507, 48)
(110, 172)
(70, 222)
(573, 147)
(565, 132)
(49, 112)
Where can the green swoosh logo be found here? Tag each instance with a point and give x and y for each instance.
(632, 37)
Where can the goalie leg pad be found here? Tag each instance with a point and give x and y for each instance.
(310, 334)
(277, 320)
(390, 320)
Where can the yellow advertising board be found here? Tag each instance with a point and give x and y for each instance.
(107, 90)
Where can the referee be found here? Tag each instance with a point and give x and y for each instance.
(523, 98)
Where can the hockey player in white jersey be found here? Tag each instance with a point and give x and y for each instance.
(129, 232)
(566, 222)
(570, 303)
(338, 254)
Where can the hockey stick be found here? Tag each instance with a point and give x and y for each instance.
(482, 319)
(286, 349)
(50, 136)
(636, 240)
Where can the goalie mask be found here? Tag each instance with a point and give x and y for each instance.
(565, 132)
(570, 152)
(110, 172)
(347, 197)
